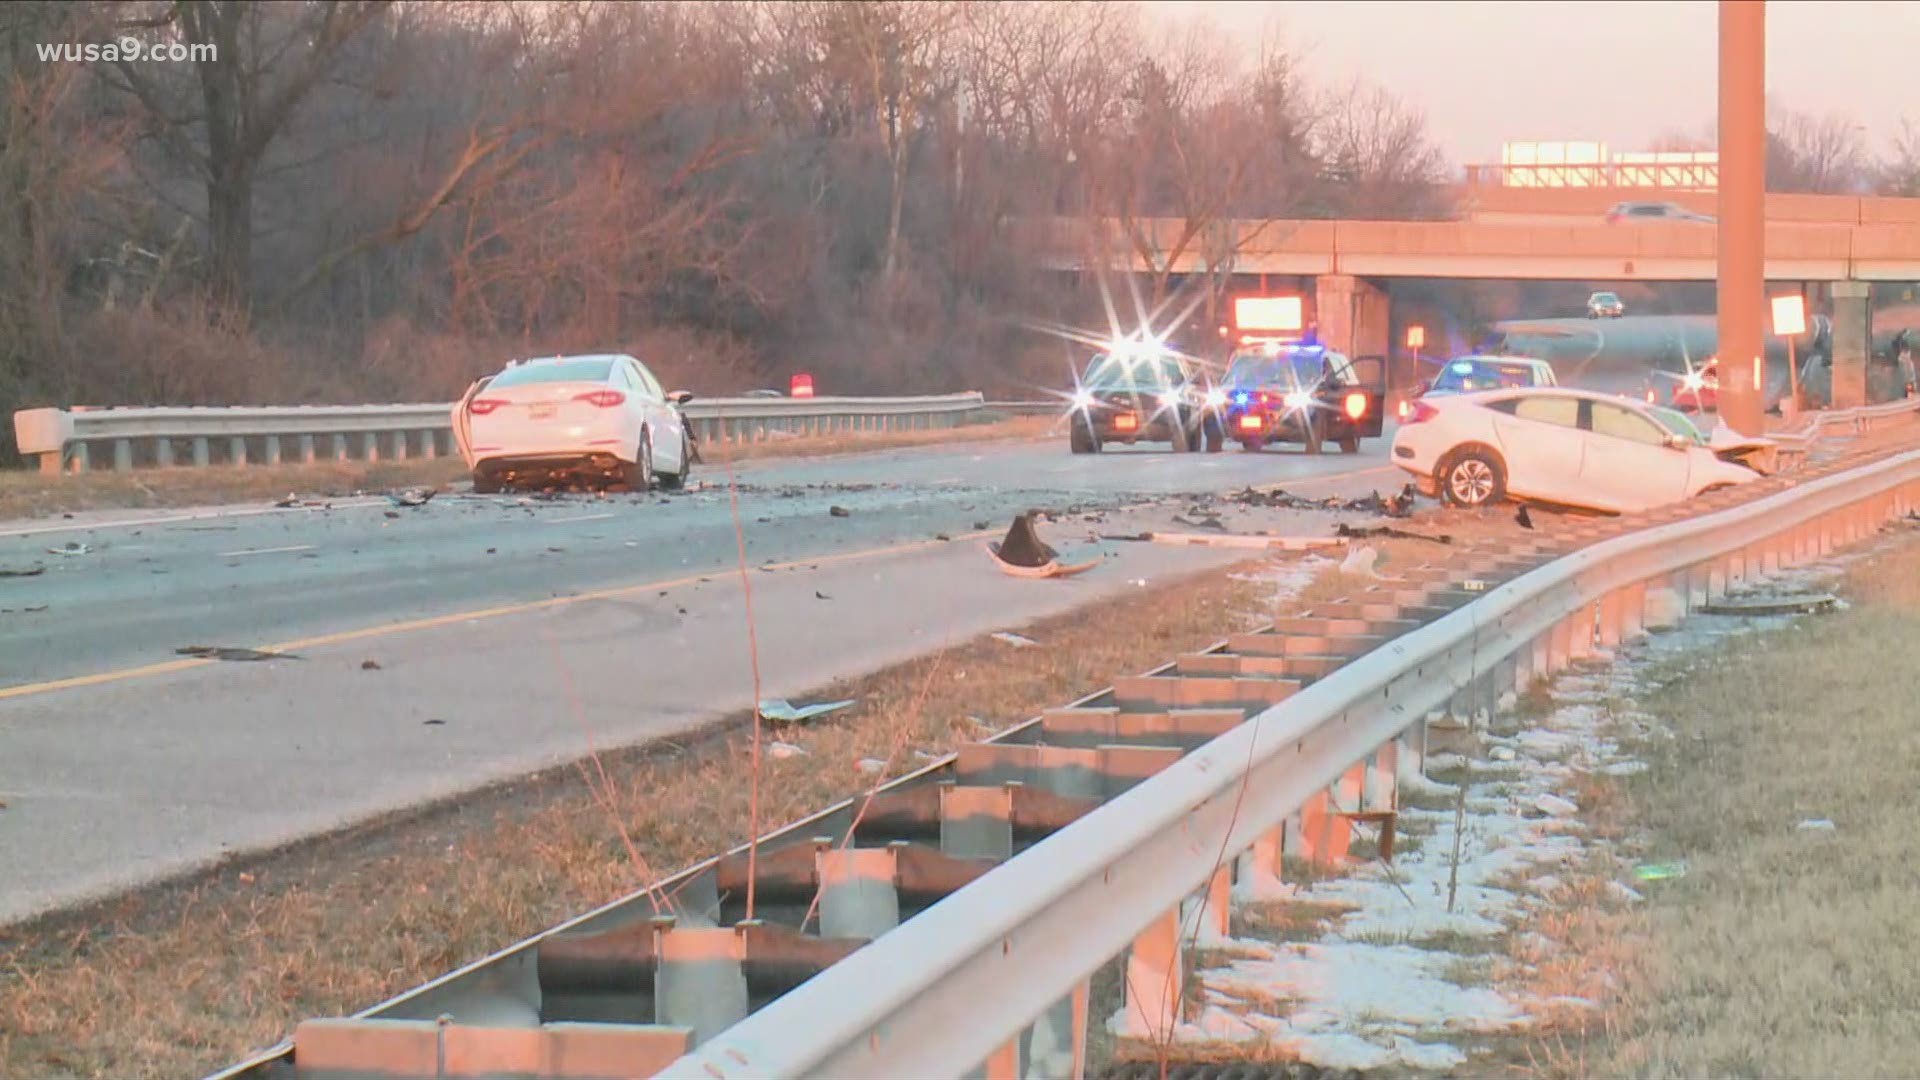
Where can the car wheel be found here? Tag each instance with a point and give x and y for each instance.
(1350, 444)
(676, 481)
(484, 484)
(1473, 478)
(639, 473)
(1313, 434)
(1252, 446)
(1082, 439)
(1216, 437)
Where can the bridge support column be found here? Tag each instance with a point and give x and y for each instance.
(1851, 340)
(1352, 313)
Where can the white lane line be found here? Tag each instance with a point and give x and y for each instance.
(583, 517)
(176, 519)
(265, 551)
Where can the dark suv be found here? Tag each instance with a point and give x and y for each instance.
(1307, 394)
(1143, 396)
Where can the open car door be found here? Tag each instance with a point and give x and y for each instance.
(1370, 375)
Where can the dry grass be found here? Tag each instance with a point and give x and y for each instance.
(180, 980)
(27, 494)
(1782, 952)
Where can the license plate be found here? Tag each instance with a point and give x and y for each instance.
(1126, 422)
(1250, 423)
(543, 411)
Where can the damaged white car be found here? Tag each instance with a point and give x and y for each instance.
(1570, 448)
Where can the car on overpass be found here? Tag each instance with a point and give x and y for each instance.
(593, 420)
(1654, 211)
(1141, 391)
(1605, 305)
(1296, 392)
(1471, 374)
(1564, 447)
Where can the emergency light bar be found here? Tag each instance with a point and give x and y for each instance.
(1268, 313)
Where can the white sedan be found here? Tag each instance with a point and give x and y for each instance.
(573, 418)
(1567, 447)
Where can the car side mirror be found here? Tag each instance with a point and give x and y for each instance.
(680, 397)
(1678, 442)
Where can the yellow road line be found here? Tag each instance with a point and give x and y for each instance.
(722, 575)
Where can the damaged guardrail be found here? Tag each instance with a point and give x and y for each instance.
(70, 440)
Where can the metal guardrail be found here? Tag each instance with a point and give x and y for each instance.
(1011, 949)
(68, 440)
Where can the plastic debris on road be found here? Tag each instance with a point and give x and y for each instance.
(780, 710)
(411, 497)
(781, 751)
(1660, 871)
(71, 547)
(1819, 825)
(31, 571)
(1018, 641)
(225, 652)
(1023, 554)
(870, 766)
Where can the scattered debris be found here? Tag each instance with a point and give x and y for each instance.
(1023, 554)
(942, 537)
(71, 547)
(1369, 532)
(1660, 871)
(493, 551)
(780, 710)
(290, 501)
(870, 766)
(435, 722)
(1200, 520)
(1474, 585)
(1360, 563)
(781, 751)
(1817, 825)
(1128, 538)
(556, 550)
(31, 571)
(226, 652)
(1757, 606)
(1399, 505)
(411, 497)
(980, 525)
(1018, 641)
(369, 665)
(1524, 519)
(839, 511)
(1555, 806)
(394, 515)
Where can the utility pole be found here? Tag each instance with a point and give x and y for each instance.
(1742, 224)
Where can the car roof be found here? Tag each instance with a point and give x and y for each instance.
(537, 360)
(1627, 401)
(1478, 358)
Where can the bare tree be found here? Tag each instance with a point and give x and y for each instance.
(266, 60)
(1900, 172)
(1824, 155)
(1377, 159)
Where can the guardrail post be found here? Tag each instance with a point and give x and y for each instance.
(1155, 977)
(1610, 620)
(339, 450)
(201, 453)
(273, 449)
(82, 459)
(122, 455)
(236, 450)
(1410, 753)
(370, 446)
(163, 452)
(1382, 791)
(1580, 633)
(1559, 642)
(699, 982)
(858, 895)
(306, 449)
(401, 451)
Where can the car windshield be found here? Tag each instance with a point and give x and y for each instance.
(1289, 367)
(581, 369)
(1677, 423)
(1466, 376)
(1108, 372)
(1604, 298)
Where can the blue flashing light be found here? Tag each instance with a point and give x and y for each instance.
(1462, 367)
(1241, 398)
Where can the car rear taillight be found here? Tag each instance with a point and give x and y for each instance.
(604, 399)
(483, 406)
(1249, 423)
(1356, 406)
(1420, 413)
(1404, 408)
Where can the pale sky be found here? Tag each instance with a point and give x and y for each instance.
(1622, 72)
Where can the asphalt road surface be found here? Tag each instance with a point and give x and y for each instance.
(530, 629)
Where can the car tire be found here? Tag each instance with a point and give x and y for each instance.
(1252, 446)
(1350, 444)
(1181, 438)
(1081, 438)
(1214, 434)
(676, 481)
(1314, 434)
(1472, 478)
(639, 472)
(484, 484)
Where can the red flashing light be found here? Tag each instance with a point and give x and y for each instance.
(483, 406)
(1421, 413)
(1249, 423)
(1126, 422)
(1356, 406)
(602, 399)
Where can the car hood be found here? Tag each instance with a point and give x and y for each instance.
(1722, 439)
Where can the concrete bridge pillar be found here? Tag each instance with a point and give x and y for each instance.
(1852, 338)
(1352, 313)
